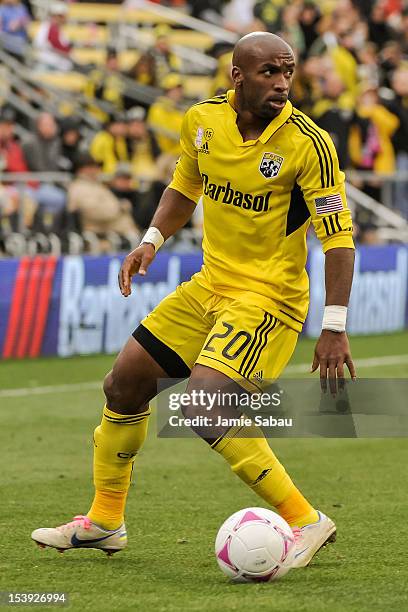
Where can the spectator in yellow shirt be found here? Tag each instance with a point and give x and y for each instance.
(142, 147)
(109, 146)
(166, 115)
(369, 107)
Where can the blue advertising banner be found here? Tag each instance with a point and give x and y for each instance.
(72, 305)
(378, 301)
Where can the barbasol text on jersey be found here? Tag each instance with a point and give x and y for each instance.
(227, 195)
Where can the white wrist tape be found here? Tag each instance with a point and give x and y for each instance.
(154, 237)
(334, 318)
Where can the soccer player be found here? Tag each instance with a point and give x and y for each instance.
(265, 170)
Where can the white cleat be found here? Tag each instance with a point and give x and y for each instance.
(311, 538)
(81, 533)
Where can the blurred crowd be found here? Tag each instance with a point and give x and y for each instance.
(118, 175)
(352, 79)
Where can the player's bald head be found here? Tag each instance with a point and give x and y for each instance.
(262, 71)
(259, 46)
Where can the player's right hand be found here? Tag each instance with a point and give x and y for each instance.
(137, 261)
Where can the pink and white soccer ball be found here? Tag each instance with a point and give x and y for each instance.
(255, 545)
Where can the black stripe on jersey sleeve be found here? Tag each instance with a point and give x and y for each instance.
(326, 227)
(298, 212)
(299, 120)
(325, 147)
(319, 155)
(216, 100)
(336, 218)
(332, 224)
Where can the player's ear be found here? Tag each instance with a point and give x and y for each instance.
(237, 76)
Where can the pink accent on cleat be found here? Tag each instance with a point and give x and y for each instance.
(297, 532)
(79, 521)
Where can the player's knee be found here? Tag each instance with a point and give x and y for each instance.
(108, 386)
(128, 395)
(116, 394)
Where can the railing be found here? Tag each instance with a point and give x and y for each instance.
(189, 57)
(180, 18)
(385, 182)
(385, 216)
(19, 240)
(25, 82)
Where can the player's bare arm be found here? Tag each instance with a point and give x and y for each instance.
(332, 349)
(172, 214)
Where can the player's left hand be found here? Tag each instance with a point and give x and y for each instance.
(331, 353)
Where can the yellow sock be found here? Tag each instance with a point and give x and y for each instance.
(252, 459)
(116, 442)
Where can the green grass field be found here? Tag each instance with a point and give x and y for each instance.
(181, 493)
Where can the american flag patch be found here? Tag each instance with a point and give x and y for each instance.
(329, 204)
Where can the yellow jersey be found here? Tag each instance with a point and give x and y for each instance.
(166, 119)
(259, 198)
(108, 151)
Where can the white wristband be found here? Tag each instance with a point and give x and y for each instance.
(334, 318)
(153, 236)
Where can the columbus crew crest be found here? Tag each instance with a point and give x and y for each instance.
(270, 165)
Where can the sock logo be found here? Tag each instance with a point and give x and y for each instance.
(127, 455)
(258, 375)
(261, 476)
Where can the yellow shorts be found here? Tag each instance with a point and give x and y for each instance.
(193, 325)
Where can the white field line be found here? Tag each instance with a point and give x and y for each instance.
(369, 362)
(68, 388)
(387, 360)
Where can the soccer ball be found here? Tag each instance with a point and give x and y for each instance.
(255, 545)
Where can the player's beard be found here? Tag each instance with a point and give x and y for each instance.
(266, 112)
(261, 110)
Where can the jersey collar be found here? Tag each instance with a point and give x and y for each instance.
(274, 125)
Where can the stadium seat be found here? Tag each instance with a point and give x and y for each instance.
(78, 33)
(195, 86)
(70, 81)
(190, 38)
(90, 34)
(112, 13)
(97, 56)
